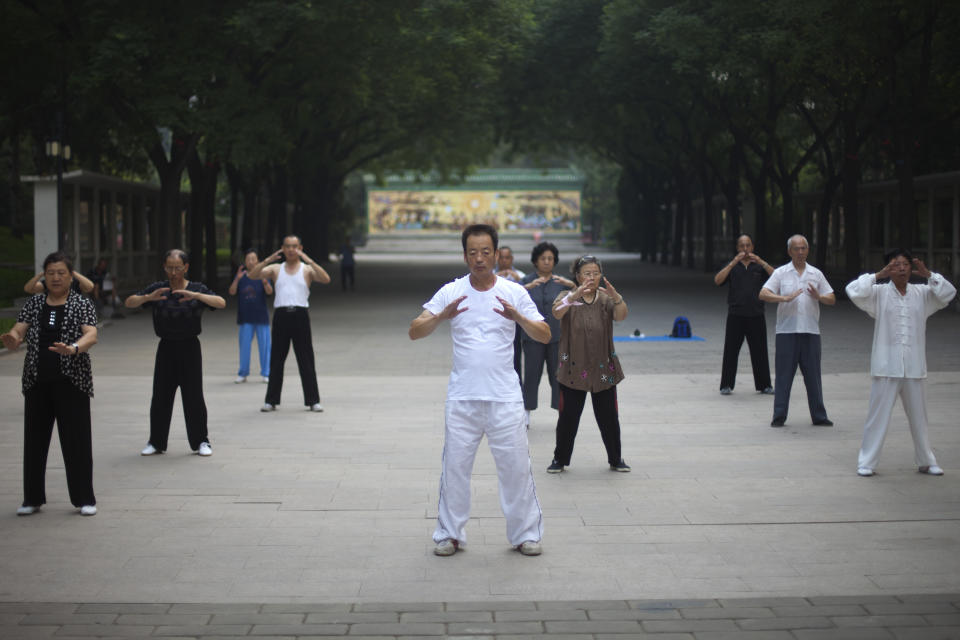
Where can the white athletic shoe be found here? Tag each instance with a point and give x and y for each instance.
(265, 379)
(268, 407)
(530, 548)
(932, 470)
(88, 510)
(27, 510)
(150, 450)
(317, 408)
(204, 449)
(240, 379)
(446, 547)
(864, 472)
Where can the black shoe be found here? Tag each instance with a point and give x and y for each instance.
(555, 467)
(778, 421)
(823, 423)
(620, 466)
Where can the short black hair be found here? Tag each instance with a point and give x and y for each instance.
(899, 251)
(58, 256)
(249, 251)
(177, 253)
(479, 230)
(542, 248)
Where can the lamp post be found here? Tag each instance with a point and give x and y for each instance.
(56, 148)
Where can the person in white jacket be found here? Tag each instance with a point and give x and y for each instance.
(898, 361)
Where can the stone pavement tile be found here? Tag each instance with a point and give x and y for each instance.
(38, 607)
(930, 597)
(125, 607)
(672, 603)
(580, 604)
(926, 633)
(155, 619)
(764, 602)
(743, 635)
(204, 631)
(404, 607)
(553, 636)
(299, 630)
(879, 621)
(495, 606)
(943, 619)
(732, 612)
(448, 616)
(641, 636)
(105, 631)
(593, 626)
(28, 633)
(806, 622)
(68, 618)
(634, 614)
(852, 600)
(351, 617)
(493, 628)
(820, 610)
(863, 633)
(912, 607)
(396, 628)
(213, 608)
(304, 608)
(541, 615)
(690, 626)
(256, 618)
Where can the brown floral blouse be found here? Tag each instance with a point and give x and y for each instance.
(588, 361)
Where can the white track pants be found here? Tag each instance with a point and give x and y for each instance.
(467, 421)
(883, 395)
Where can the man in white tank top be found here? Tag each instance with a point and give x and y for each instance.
(291, 323)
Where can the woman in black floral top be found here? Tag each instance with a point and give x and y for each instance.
(59, 327)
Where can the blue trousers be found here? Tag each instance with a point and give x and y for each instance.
(246, 333)
(801, 349)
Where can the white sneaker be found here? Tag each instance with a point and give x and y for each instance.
(88, 510)
(446, 547)
(150, 450)
(268, 407)
(265, 379)
(240, 379)
(932, 470)
(863, 472)
(204, 449)
(317, 408)
(530, 548)
(27, 510)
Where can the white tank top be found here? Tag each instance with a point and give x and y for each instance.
(291, 290)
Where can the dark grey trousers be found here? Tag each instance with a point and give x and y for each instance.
(801, 349)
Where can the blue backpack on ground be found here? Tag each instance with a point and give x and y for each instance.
(681, 328)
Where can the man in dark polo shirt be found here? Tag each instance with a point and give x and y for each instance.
(745, 274)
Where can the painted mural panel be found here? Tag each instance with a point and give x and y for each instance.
(438, 211)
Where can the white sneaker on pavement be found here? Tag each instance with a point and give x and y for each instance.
(27, 510)
(530, 548)
(150, 450)
(932, 470)
(446, 547)
(317, 408)
(240, 379)
(265, 379)
(863, 472)
(268, 407)
(204, 449)
(88, 510)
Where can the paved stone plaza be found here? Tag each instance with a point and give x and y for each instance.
(306, 524)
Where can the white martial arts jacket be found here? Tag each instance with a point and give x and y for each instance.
(900, 331)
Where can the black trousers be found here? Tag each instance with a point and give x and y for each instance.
(179, 364)
(803, 350)
(61, 401)
(535, 355)
(346, 273)
(604, 410)
(518, 354)
(292, 326)
(754, 329)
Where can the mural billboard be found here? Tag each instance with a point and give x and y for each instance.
(393, 211)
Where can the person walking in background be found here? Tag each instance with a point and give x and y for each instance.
(252, 317)
(588, 362)
(898, 359)
(745, 275)
(483, 397)
(543, 286)
(59, 327)
(177, 305)
(799, 289)
(347, 263)
(291, 323)
(505, 269)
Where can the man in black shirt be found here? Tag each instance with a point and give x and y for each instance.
(177, 305)
(746, 274)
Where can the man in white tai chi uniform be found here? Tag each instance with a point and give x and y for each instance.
(898, 361)
(483, 395)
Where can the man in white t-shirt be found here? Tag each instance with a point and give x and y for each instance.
(799, 289)
(483, 397)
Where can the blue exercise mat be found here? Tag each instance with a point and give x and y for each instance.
(656, 339)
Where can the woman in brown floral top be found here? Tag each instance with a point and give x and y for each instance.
(588, 361)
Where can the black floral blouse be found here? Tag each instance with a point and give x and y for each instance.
(79, 311)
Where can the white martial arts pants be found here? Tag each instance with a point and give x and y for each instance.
(883, 395)
(466, 423)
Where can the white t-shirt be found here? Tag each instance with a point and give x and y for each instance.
(802, 314)
(483, 339)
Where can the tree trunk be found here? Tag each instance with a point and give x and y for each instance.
(169, 228)
(906, 204)
(850, 177)
(706, 189)
(234, 215)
